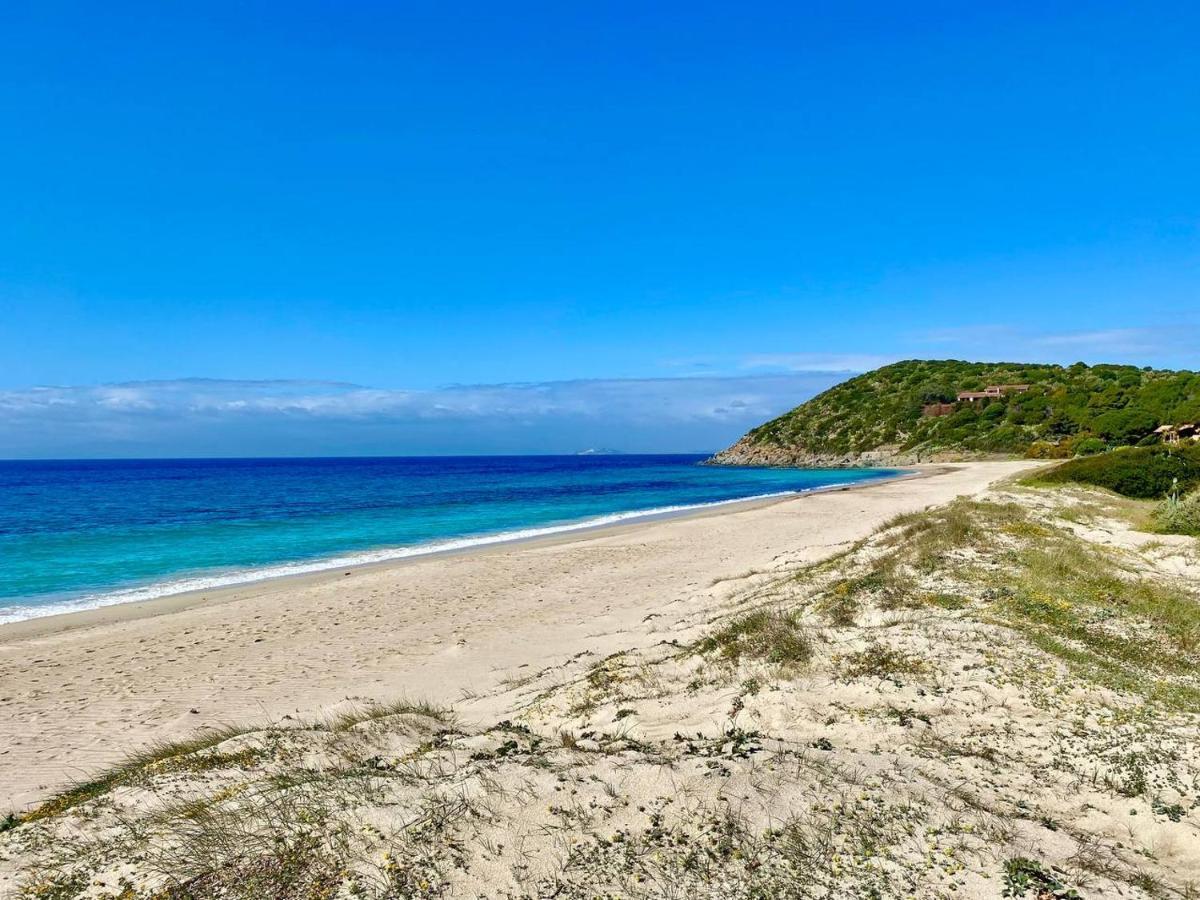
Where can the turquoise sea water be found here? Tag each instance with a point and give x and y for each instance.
(78, 534)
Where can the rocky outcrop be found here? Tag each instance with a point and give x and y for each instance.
(748, 452)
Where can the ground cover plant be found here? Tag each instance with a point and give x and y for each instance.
(1179, 515)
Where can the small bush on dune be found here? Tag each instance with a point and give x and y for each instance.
(771, 635)
(1177, 515)
(881, 661)
(1090, 446)
(1047, 450)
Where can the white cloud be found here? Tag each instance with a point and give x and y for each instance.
(206, 416)
(1163, 346)
(1123, 340)
(1134, 345)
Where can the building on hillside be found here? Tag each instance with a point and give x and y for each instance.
(992, 392)
(1174, 434)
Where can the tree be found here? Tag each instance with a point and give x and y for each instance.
(1124, 426)
(1060, 424)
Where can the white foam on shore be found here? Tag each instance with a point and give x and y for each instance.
(19, 613)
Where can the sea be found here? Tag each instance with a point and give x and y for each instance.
(80, 534)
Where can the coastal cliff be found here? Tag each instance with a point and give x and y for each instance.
(948, 410)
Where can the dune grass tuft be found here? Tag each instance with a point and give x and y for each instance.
(369, 712)
(157, 757)
(775, 636)
(879, 660)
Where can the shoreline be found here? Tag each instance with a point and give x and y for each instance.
(333, 568)
(466, 628)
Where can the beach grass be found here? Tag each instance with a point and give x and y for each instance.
(159, 757)
(772, 635)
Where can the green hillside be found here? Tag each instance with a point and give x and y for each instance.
(1067, 410)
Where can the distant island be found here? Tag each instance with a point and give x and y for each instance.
(598, 451)
(942, 410)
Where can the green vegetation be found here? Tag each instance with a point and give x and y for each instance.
(881, 661)
(370, 712)
(1067, 410)
(1171, 474)
(1074, 601)
(1143, 472)
(1179, 515)
(1130, 634)
(1024, 876)
(1071, 600)
(774, 636)
(198, 754)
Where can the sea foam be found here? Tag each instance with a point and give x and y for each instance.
(167, 588)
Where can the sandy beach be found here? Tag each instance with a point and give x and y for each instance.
(79, 691)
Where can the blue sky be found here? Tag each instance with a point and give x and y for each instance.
(409, 197)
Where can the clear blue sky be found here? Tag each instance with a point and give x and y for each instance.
(408, 196)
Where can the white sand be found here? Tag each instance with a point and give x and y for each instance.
(80, 690)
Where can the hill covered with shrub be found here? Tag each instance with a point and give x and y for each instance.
(881, 416)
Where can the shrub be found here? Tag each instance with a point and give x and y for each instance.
(773, 635)
(1024, 876)
(1146, 472)
(1090, 446)
(1177, 515)
(881, 661)
(1046, 450)
(1124, 425)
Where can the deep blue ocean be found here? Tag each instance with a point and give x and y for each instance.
(78, 534)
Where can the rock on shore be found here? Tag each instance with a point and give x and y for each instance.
(748, 452)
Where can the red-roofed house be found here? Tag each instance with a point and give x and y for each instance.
(992, 392)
